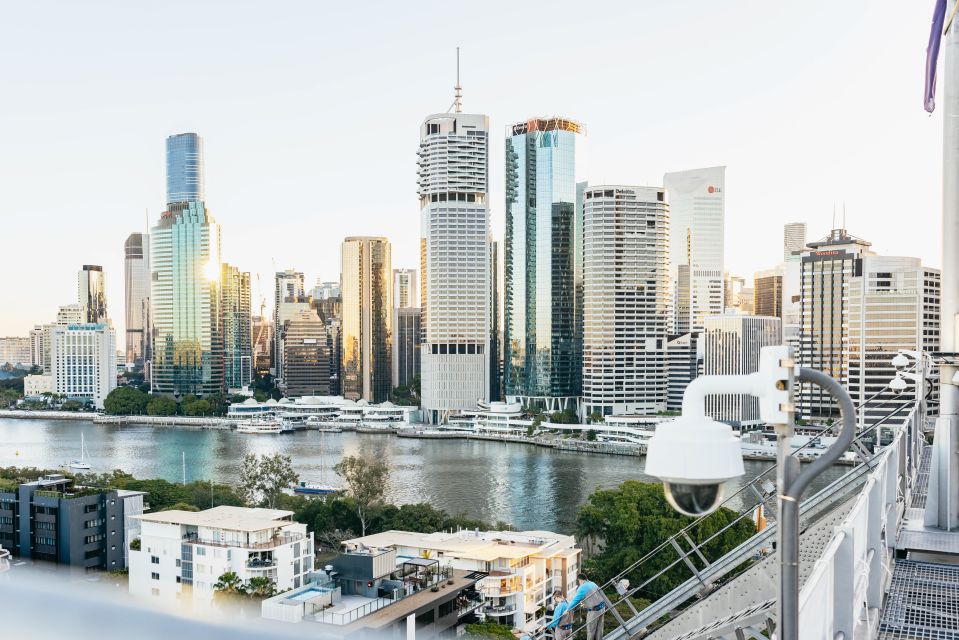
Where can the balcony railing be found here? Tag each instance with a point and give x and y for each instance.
(275, 541)
(500, 611)
(261, 563)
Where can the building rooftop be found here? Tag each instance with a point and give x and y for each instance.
(482, 545)
(224, 517)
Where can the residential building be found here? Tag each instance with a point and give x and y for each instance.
(55, 521)
(626, 299)
(731, 346)
(288, 285)
(184, 168)
(827, 267)
(185, 551)
(406, 345)
(697, 206)
(185, 301)
(794, 240)
(523, 567)
(453, 190)
(404, 288)
(367, 318)
(306, 360)
(15, 350)
(66, 314)
(542, 267)
(262, 345)
(685, 364)
(136, 285)
(893, 304)
(84, 362)
(237, 327)
(324, 290)
(92, 293)
(768, 292)
(36, 346)
(37, 385)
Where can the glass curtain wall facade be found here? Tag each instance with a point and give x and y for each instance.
(184, 168)
(542, 267)
(136, 283)
(237, 327)
(307, 359)
(367, 319)
(185, 300)
(92, 293)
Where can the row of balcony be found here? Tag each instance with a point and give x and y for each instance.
(275, 541)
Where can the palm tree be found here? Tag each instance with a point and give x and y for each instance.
(229, 582)
(260, 587)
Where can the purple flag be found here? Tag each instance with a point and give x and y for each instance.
(932, 54)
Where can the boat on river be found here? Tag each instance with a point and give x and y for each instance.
(260, 425)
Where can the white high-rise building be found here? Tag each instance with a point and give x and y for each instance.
(455, 274)
(84, 361)
(404, 288)
(731, 346)
(136, 282)
(36, 346)
(66, 314)
(697, 206)
(289, 284)
(15, 350)
(794, 240)
(893, 304)
(626, 299)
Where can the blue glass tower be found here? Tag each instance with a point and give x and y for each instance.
(542, 358)
(184, 168)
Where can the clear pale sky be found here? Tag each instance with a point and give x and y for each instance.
(310, 114)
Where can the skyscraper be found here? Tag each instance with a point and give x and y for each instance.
(404, 288)
(406, 328)
(92, 293)
(543, 353)
(307, 356)
(626, 300)
(288, 284)
(136, 285)
(768, 293)
(185, 301)
(794, 240)
(453, 185)
(697, 212)
(262, 345)
(236, 326)
(184, 168)
(84, 361)
(367, 290)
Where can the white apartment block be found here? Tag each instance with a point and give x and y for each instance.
(37, 385)
(455, 270)
(84, 361)
(893, 304)
(524, 567)
(794, 240)
(697, 206)
(731, 346)
(15, 350)
(626, 299)
(183, 553)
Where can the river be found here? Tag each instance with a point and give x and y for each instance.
(528, 486)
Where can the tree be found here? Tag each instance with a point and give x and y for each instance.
(198, 408)
(422, 517)
(182, 506)
(263, 478)
(250, 479)
(591, 435)
(366, 478)
(230, 583)
(490, 630)
(161, 406)
(71, 405)
(595, 416)
(126, 401)
(260, 587)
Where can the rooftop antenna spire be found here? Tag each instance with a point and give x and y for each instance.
(458, 96)
(844, 214)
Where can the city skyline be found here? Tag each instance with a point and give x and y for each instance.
(57, 157)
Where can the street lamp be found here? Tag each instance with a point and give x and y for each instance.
(696, 456)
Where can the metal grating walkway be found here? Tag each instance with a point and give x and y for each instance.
(923, 603)
(922, 479)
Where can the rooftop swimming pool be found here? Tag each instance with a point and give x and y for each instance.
(310, 593)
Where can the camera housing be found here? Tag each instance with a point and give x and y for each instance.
(897, 385)
(695, 457)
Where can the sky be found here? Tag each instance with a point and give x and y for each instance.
(310, 115)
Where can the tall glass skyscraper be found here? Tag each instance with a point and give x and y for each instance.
(237, 327)
(184, 168)
(367, 290)
(92, 293)
(543, 270)
(136, 281)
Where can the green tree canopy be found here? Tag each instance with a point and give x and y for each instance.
(366, 478)
(263, 478)
(126, 401)
(161, 406)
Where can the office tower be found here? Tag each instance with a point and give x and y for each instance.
(732, 288)
(453, 186)
(324, 290)
(84, 361)
(262, 345)
(406, 345)
(136, 285)
(826, 269)
(66, 314)
(185, 301)
(36, 346)
(685, 361)
(92, 293)
(768, 293)
(731, 346)
(626, 305)
(697, 218)
(543, 355)
(404, 288)
(288, 284)
(794, 240)
(306, 359)
(237, 328)
(496, 334)
(15, 350)
(330, 310)
(367, 319)
(289, 307)
(893, 304)
(184, 168)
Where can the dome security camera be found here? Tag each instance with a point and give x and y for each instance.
(695, 458)
(897, 385)
(900, 362)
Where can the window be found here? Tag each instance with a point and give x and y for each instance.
(94, 538)
(97, 522)
(154, 591)
(201, 551)
(154, 560)
(154, 576)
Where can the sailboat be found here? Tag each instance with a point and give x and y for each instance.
(307, 488)
(81, 464)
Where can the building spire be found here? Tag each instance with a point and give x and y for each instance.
(458, 95)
